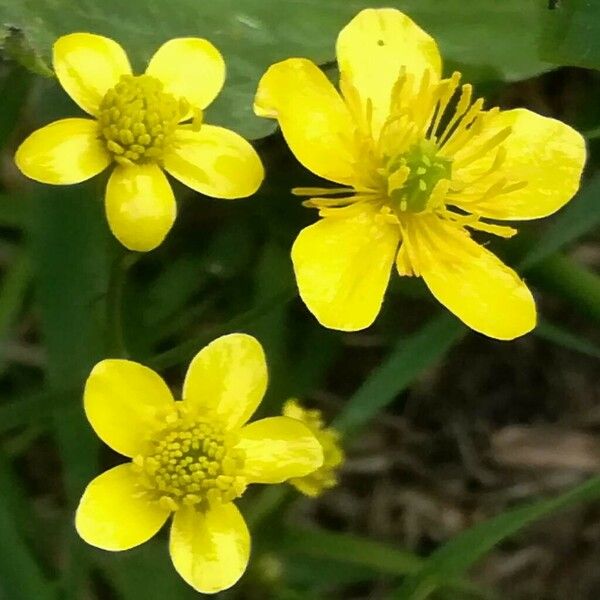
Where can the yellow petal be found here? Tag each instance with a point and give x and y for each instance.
(64, 152)
(279, 448)
(314, 120)
(216, 162)
(544, 152)
(210, 550)
(140, 206)
(472, 282)
(87, 66)
(122, 400)
(114, 514)
(190, 68)
(343, 266)
(229, 377)
(373, 49)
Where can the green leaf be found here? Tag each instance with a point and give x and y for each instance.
(406, 362)
(452, 560)
(562, 337)
(579, 217)
(349, 549)
(491, 39)
(571, 34)
(21, 577)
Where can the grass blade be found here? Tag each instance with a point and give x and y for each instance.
(579, 217)
(451, 561)
(407, 360)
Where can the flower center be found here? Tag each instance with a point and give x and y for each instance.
(192, 462)
(414, 177)
(138, 119)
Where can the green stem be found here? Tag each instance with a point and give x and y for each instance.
(114, 304)
(186, 350)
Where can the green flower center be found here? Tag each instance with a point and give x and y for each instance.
(192, 464)
(138, 119)
(413, 176)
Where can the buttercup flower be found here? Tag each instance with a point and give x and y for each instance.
(142, 124)
(325, 477)
(419, 163)
(191, 458)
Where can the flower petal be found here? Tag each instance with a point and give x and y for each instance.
(373, 49)
(472, 282)
(278, 449)
(216, 162)
(314, 120)
(343, 266)
(87, 66)
(210, 550)
(229, 377)
(122, 399)
(114, 514)
(64, 152)
(140, 206)
(190, 68)
(544, 152)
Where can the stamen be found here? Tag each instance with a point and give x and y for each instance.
(482, 150)
(191, 462)
(137, 119)
(316, 191)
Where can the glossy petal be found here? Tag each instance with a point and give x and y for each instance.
(190, 68)
(216, 162)
(210, 550)
(140, 206)
(373, 49)
(343, 266)
(122, 401)
(228, 377)
(114, 514)
(64, 152)
(313, 118)
(472, 282)
(544, 152)
(278, 449)
(87, 66)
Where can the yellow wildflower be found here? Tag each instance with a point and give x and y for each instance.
(142, 124)
(325, 477)
(191, 458)
(420, 162)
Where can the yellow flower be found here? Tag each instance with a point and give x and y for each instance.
(141, 123)
(420, 162)
(191, 458)
(325, 477)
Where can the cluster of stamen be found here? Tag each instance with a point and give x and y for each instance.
(192, 463)
(138, 119)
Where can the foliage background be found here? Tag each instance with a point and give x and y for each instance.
(446, 431)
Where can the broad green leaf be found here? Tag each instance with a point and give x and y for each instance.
(15, 285)
(491, 39)
(21, 577)
(579, 217)
(406, 362)
(452, 560)
(571, 34)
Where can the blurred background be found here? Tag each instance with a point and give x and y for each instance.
(446, 431)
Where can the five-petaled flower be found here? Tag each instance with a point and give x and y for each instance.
(191, 458)
(421, 162)
(142, 124)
